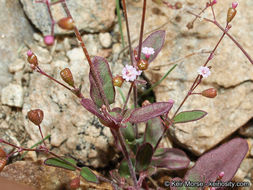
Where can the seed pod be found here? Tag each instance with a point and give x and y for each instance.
(209, 93)
(31, 58)
(142, 64)
(231, 14)
(67, 76)
(2, 163)
(49, 40)
(178, 5)
(189, 25)
(36, 116)
(66, 23)
(2, 153)
(75, 183)
(118, 81)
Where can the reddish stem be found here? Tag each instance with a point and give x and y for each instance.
(92, 68)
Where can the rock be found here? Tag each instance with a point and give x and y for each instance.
(16, 66)
(74, 131)
(92, 44)
(39, 176)
(15, 29)
(247, 130)
(105, 39)
(232, 73)
(89, 15)
(12, 95)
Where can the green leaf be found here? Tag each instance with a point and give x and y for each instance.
(143, 157)
(124, 169)
(56, 162)
(104, 75)
(154, 130)
(128, 132)
(188, 116)
(88, 175)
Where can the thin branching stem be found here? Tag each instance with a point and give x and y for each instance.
(126, 155)
(92, 67)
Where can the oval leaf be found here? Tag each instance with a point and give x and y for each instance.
(88, 175)
(188, 116)
(154, 130)
(171, 158)
(226, 158)
(144, 156)
(148, 112)
(154, 40)
(104, 74)
(56, 162)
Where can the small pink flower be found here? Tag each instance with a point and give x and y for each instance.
(212, 188)
(234, 5)
(29, 53)
(204, 71)
(214, 2)
(148, 51)
(49, 40)
(129, 73)
(221, 175)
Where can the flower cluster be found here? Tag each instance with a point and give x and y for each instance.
(204, 71)
(129, 73)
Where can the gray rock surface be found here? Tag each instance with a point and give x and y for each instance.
(14, 31)
(89, 15)
(13, 95)
(232, 73)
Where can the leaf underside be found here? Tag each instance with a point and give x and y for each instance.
(148, 112)
(226, 158)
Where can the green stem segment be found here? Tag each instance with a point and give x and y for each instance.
(126, 155)
(120, 23)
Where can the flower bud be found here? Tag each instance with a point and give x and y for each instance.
(221, 175)
(189, 25)
(66, 23)
(178, 5)
(35, 116)
(142, 64)
(3, 162)
(209, 93)
(66, 75)
(234, 5)
(32, 58)
(118, 81)
(49, 40)
(75, 183)
(231, 14)
(145, 103)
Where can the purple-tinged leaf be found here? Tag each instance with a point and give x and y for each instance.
(56, 162)
(143, 157)
(226, 158)
(104, 74)
(189, 116)
(155, 41)
(154, 130)
(88, 175)
(148, 112)
(171, 158)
